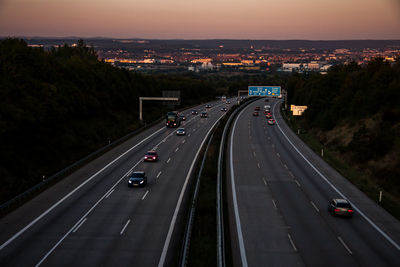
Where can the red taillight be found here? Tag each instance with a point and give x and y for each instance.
(350, 210)
(337, 210)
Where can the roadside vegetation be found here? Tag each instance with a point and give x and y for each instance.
(354, 115)
(60, 105)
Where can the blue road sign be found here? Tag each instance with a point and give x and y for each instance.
(264, 90)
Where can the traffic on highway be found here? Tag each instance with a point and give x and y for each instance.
(286, 206)
(122, 209)
(284, 211)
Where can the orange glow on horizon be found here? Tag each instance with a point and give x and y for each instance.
(251, 19)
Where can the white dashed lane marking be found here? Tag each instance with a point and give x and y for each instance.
(123, 229)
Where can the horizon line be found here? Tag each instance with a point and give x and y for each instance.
(189, 39)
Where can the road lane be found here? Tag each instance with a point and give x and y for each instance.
(297, 192)
(98, 240)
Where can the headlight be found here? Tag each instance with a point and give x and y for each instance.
(130, 181)
(141, 182)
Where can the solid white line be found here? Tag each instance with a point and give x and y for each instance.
(297, 182)
(79, 225)
(286, 167)
(344, 244)
(291, 242)
(315, 207)
(73, 191)
(123, 229)
(273, 202)
(110, 193)
(234, 198)
(169, 159)
(176, 150)
(178, 204)
(145, 194)
(159, 173)
(291, 174)
(340, 193)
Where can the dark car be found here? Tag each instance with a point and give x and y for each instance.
(181, 131)
(183, 117)
(151, 156)
(224, 109)
(204, 115)
(194, 112)
(340, 207)
(255, 113)
(268, 116)
(257, 109)
(228, 102)
(271, 122)
(138, 178)
(208, 106)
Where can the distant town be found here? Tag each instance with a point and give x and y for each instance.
(252, 56)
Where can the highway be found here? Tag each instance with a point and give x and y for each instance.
(278, 203)
(92, 218)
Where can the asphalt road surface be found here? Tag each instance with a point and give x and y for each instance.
(279, 203)
(92, 218)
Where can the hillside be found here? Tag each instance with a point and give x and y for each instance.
(60, 105)
(354, 111)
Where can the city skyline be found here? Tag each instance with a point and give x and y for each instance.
(218, 19)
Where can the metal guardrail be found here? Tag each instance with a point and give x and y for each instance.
(189, 225)
(29, 193)
(69, 169)
(220, 212)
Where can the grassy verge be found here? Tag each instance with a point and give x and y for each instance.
(202, 250)
(362, 181)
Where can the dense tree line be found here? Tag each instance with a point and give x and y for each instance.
(59, 105)
(355, 110)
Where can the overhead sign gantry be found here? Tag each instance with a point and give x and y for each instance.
(264, 90)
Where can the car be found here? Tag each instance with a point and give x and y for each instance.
(271, 122)
(268, 115)
(194, 112)
(208, 106)
(224, 109)
(257, 109)
(255, 113)
(183, 117)
(228, 102)
(181, 131)
(340, 207)
(151, 156)
(137, 178)
(203, 115)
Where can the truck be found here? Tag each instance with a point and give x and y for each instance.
(173, 119)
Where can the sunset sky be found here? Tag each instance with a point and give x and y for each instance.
(203, 19)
